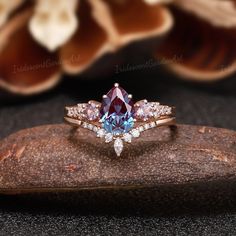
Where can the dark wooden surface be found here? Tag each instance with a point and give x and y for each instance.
(59, 157)
(211, 105)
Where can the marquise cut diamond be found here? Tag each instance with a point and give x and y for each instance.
(118, 146)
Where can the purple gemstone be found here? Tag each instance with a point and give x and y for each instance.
(117, 111)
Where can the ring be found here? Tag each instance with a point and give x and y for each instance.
(118, 118)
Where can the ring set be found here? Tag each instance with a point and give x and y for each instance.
(117, 118)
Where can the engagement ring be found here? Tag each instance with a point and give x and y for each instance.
(118, 119)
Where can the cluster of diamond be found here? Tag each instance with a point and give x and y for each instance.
(86, 111)
(76, 111)
(145, 110)
(118, 139)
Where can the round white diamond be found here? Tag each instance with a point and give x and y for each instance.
(108, 138)
(141, 129)
(95, 129)
(168, 110)
(140, 112)
(146, 126)
(156, 114)
(118, 146)
(90, 126)
(127, 137)
(135, 133)
(101, 133)
(70, 111)
(152, 125)
(85, 125)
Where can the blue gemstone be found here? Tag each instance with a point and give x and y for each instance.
(117, 111)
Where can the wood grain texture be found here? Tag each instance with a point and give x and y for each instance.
(60, 158)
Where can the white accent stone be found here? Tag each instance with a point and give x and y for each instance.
(168, 110)
(85, 125)
(70, 112)
(146, 126)
(135, 133)
(143, 109)
(95, 129)
(163, 110)
(101, 133)
(73, 112)
(92, 111)
(156, 114)
(108, 137)
(90, 127)
(80, 108)
(141, 129)
(127, 137)
(140, 112)
(152, 125)
(118, 146)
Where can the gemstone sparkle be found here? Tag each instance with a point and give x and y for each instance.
(92, 111)
(118, 146)
(117, 111)
(143, 110)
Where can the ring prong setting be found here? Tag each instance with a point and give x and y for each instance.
(117, 118)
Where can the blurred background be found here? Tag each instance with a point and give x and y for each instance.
(61, 52)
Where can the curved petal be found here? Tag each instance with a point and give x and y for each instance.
(108, 25)
(6, 7)
(86, 45)
(197, 50)
(25, 67)
(129, 20)
(216, 12)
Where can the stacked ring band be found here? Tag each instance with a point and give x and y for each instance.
(118, 119)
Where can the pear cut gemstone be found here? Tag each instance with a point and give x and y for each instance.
(117, 111)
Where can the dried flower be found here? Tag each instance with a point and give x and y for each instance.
(56, 36)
